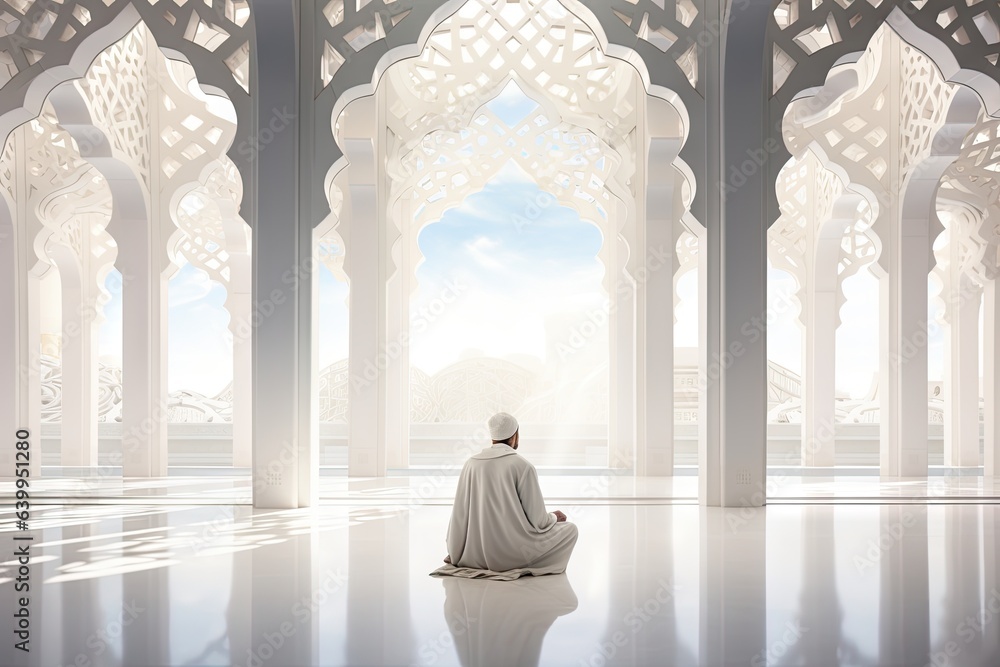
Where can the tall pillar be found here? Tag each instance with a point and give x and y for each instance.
(79, 357)
(30, 357)
(733, 435)
(14, 276)
(27, 378)
(622, 375)
(144, 341)
(144, 292)
(240, 306)
(656, 455)
(905, 223)
(365, 264)
(241, 310)
(961, 412)
(20, 385)
(820, 365)
(903, 332)
(820, 317)
(395, 248)
(991, 379)
(399, 337)
(285, 448)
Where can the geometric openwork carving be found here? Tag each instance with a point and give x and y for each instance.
(969, 209)
(808, 36)
(876, 135)
(526, 38)
(39, 35)
(573, 164)
(671, 26)
(42, 36)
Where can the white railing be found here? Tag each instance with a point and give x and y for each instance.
(469, 391)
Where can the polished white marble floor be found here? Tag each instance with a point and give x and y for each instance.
(667, 584)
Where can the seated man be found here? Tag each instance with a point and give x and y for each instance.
(499, 526)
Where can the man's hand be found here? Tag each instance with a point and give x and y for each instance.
(560, 517)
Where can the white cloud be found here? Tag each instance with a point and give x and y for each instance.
(482, 250)
(189, 286)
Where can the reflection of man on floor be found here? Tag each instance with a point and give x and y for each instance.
(501, 623)
(499, 526)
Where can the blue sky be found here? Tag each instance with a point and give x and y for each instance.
(200, 349)
(523, 276)
(512, 104)
(503, 311)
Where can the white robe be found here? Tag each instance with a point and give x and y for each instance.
(499, 526)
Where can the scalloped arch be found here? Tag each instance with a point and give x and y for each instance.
(620, 39)
(215, 38)
(805, 42)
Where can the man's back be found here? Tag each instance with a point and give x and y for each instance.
(499, 522)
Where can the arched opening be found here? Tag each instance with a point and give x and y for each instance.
(870, 184)
(510, 315)
(577, 132)
(120, 181)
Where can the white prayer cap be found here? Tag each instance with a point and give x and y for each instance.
(502, 426)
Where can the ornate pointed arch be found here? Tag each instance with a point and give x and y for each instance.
(806, 39)
(354, 46)
(47, 44)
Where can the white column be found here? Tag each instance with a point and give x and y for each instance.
(20, 335)
(819, 378)
(961, 411)
(285, 461)
(991, 379)
(144, 293)
(14, 276)
(709, 394)
(903, 334)
(144, 350)
(29, 353)
(398, 336)
(26, 400)
(909, 214)
(733, 435)
(656, 456)
(365, 264)
(240, 306)
(622, 410)
(79, 359)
